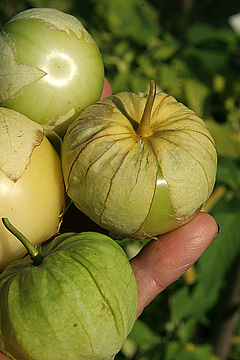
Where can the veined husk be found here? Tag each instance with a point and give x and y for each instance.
(80, 303)
(112, 174)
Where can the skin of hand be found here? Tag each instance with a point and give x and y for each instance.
(163, 261)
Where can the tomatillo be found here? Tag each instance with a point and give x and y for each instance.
(139, 165)
(73, 298)
(32, 190)
(51, 67)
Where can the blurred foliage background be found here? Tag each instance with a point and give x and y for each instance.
(192, 50)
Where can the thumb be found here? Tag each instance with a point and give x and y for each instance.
(163, 261)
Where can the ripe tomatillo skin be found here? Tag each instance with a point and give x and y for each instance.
(32, 192)
(135, 185)
(34, 203)
(79, 303)
(66, 63)
(158, 222)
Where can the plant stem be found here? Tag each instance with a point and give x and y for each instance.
(36, 257)
(144, 128)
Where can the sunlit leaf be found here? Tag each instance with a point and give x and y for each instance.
(196, 93)
(143, 336)
(134, 19)
(212, 268)
(189, 352)
(227, 142)
(228, 173)
(202, 34)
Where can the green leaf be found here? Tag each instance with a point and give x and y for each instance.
(143, 336)
(216, 261)
(190, 352)
(186, 330)
(196, 93)
(206, 60)
(227, 142)
(161, 50)
(202, 33)
(168, 79)
(130, 18)
(228, 173)
(212, 268)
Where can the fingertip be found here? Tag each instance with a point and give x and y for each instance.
(203, 228)
(107, 89)
(163, 261)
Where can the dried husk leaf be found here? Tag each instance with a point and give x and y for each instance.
(60, 124)
(14, 74)
(56, 19)
(111, 172)
(18, 138)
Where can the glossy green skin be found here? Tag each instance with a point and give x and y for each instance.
(158, 222)
(79, 303)
(75, 71)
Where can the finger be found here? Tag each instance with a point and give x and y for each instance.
(107, 91)
(163, 261)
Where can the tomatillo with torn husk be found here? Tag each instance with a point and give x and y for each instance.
(51, 67)
(139, 165)
(32, 190)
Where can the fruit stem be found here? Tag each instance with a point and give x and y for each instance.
(144, 128)
(36, 257)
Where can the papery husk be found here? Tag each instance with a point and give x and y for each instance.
(15, 75)
(18, 138)
(79, 303)
(56, 19)
(111, 172)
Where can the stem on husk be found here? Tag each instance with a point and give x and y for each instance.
(144, 128)
(36, 257)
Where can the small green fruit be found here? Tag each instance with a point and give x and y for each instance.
(51, 68)
(139, 165)
(75, 298)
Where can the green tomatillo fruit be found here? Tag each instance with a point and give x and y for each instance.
(51, 68)
(32, 190)
(73, 298)
(139, 165)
